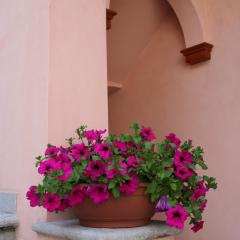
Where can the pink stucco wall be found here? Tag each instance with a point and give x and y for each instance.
(23, 100)
(78, 73)
(199, 102)
(48, 85)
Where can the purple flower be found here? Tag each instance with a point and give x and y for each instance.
(98, 193)
(163, 205)
(176, 217)
(103, 150)
(147, 134)
(33, 197)
(94, 169)
(130, 185)
(77, 195)
(51, 202)
(80, 151)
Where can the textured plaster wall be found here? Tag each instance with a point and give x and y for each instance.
(200, 102)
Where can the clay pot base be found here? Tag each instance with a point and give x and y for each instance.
(129, 210)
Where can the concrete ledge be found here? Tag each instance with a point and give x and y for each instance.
(71, 230)
(8, 220)
(8, 202)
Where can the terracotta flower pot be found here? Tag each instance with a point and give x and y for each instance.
(129, 210)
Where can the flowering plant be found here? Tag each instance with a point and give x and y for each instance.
(97, 167)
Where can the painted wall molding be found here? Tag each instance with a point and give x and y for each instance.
(198, 53)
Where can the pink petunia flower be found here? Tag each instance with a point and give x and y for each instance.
(103, 150)
(98, 193)
(50, 151)
(109, 171)
(198, 226)
(130, 185)
(80, 151)
(176, 216)
(147, 134)
(200, 191)
(121, 146)
(66, 174)
(182, 158)
(51, 202)
(93, 135)
(132, 162)
(123, 168)
(183, 173)
(63, 157)
(77, 195)
(48, 166)
(33, 197)
(94, 169)
(64, 204)
(174, 139)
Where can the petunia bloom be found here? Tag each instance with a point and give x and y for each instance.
(93, 135)
(176, 216)
(200, 191)
(181, 158)
(103, 150)
(66, 174)
(52, 150)
(183, 173)
(33, 197)
(147, 134)
(174, 139)
(51, 202)
(123, 167)
(130, 185)
(48, 166)
(163, 205)
(94, 169)
(64, 204)
(198, 226)
(110, 171)
(77, 195)
(132, 162)
(121, 146)
(98, 193)
(80, 151)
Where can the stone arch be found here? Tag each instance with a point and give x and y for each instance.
(197, 49)
(189, 20)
